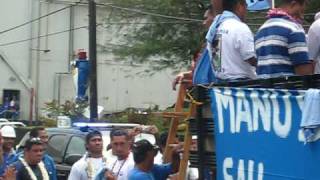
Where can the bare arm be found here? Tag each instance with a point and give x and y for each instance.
(252, 61)
(304, 69)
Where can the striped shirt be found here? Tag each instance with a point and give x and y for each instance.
(280, 46)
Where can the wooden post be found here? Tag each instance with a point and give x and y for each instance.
(174, 123)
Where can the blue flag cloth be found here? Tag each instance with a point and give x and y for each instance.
(256, 5)
(204, 71)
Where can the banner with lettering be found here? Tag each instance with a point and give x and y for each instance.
(258, 135)
(256, 5)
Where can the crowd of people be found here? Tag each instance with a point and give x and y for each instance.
(29, 163)
(279, 48)
(126, 158)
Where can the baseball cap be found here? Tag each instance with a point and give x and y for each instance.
(144, 146)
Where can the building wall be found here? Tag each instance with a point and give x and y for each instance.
(118, 85)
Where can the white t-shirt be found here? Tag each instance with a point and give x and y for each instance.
(121, 168)
(314, 44)
(80, 168)
(235, 46)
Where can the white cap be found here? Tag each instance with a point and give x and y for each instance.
(8, 131)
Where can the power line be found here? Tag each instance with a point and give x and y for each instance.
(150, 13)
(82, 27)
(144, 12)
(163, 22)
(47, 35)
(37, 19)
(55, 33)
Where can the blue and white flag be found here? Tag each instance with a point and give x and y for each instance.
(256, 5)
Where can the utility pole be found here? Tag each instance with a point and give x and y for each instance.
(93, 61)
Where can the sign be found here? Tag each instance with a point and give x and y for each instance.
(256, 5)
(258, 136)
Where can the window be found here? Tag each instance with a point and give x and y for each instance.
(56, 146)
(76, 146)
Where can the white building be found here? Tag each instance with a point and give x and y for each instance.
(42, 63)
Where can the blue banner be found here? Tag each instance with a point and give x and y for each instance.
(258, 135)
(256, 5)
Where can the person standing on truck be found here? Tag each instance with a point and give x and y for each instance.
(314, 42)
(88, 166)
(280, 42)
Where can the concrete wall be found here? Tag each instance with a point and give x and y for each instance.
(118, 85)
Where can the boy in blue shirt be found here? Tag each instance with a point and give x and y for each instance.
(145, 169)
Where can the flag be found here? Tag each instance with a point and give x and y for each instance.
(256, 5)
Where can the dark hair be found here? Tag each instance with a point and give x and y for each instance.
(163, 139)
(35, 131)
(230, 5)
(92, 134)
(119, 132)
(140, 150)
(282, 2)
(32, 141)
(209, 8)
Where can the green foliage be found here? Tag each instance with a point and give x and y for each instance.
(70, 109)
(146, 117)
(161, 42)
(164, 42)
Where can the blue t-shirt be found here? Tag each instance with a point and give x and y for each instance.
(158, 172)
(280, 46)
(7, 159)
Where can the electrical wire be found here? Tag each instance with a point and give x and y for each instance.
(37, 19)
(150, 13)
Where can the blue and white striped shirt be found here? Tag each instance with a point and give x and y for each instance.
(280, 46)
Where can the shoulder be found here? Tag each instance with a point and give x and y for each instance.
(18, 165)
(237, 26)
(315, 27)
(47, 157)
(280, 23)
(137, 174)
(162, 167)
(79, 165)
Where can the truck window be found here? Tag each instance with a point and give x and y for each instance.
(56, 146)
(76, 146)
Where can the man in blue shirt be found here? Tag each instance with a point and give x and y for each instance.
(8, 153)
(31, 166)
(280, 43)
(145, 169)
(41, 133)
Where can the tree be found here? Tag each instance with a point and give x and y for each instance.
(165, 42)
(161, 42)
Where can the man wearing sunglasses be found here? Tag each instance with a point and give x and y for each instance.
(31, 166)
(41, 133)
(145, 169)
